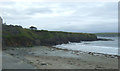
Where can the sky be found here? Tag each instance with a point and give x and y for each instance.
(88, 17)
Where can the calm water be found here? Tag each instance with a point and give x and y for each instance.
(106, 47)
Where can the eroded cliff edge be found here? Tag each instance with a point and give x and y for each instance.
(16, 36)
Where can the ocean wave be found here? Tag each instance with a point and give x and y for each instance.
(89, 48)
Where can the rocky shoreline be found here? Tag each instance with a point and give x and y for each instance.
(91, 53)
(45, 57)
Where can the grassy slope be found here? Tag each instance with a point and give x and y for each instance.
(17, 36)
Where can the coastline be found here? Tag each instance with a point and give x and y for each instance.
(45, 57)
(77, 52)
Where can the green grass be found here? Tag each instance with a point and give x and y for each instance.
(17, 36)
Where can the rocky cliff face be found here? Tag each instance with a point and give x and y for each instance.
(61, 37)
(16, 36)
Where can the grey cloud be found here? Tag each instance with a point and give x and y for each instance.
(89, 28)
(12, 14)
(7, 3)
(108, 10)
(32, 11)
(88, 17)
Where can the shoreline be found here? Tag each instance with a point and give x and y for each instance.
(45, 57)
(91, 53)
(74, 51)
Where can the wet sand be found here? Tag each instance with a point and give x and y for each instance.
(44, 57)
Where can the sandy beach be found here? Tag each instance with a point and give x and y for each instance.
(45, 57)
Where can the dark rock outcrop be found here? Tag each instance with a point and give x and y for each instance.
(103, 39)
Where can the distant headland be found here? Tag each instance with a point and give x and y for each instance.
(16, 36)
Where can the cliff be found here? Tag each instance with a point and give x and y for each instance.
(16, 36)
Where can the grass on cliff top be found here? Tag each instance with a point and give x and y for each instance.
(38, 34)
(18, 36)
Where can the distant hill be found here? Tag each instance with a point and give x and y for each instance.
(107, 34)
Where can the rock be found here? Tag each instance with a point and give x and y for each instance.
(71, 63)
(37, 60)
(43, 63)
(12, 49)
(77, 53)
(12, 54)
(103, 39)
(91, 53)
(31, 62)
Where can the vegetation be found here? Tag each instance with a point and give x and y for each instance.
(16, 36)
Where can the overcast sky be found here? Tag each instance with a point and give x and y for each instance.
(62, 16)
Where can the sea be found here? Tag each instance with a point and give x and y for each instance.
(104, 47)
